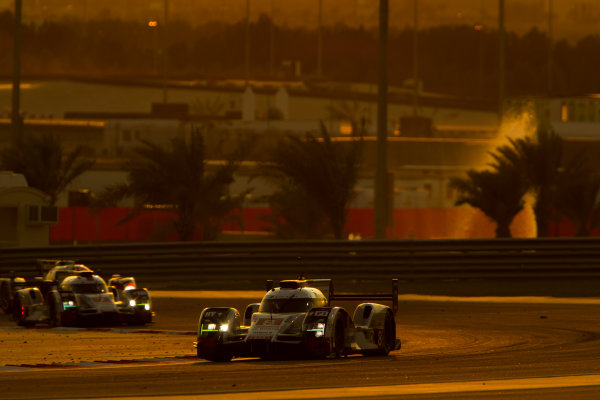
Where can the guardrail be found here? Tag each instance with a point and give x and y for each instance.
(369, 259)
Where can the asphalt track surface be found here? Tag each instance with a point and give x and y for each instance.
(453, 348)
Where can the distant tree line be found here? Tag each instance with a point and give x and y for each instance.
(455, 60)
(560, 188)
(314, 182)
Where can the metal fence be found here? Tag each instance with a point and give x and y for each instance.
(370, 259)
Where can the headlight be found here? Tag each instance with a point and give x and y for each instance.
(224, 328)
(212, 327)
(147, 307)
(318, 328)
(68, 304)
(131, 303)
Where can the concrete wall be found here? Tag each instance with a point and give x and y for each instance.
(16, 230)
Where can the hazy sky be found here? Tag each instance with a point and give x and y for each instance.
(572, 18)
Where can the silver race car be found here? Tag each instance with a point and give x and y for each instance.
(296, 320)
(80, 298)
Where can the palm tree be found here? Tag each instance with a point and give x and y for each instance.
(352, 112)
(498, 193)
(295, 215)
(44, 163)
(579, 196)
(539, 162)
(180, 177)
(319, 171)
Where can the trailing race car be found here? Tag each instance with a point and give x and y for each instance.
(51, 273)
(81, 298)
(297, 320)
(135, 304)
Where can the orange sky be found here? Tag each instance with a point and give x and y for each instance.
(573, 18)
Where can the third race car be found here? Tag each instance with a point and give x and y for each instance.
(72, 294)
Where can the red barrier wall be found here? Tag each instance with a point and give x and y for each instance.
(85, 225)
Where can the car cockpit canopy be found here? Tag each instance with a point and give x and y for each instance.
(84, 283)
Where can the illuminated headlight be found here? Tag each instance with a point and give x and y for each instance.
(69, 303)
(147, 307)
(131, 303)
(318, 329)
(224, 328)
(211, 327)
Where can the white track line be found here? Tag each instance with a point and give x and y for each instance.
(393, 390)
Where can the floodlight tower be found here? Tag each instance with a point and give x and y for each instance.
(381, 178)
(16, 121)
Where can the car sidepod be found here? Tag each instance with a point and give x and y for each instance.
(375, 330)
(29, 307)
(219, 337)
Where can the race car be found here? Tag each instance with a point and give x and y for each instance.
(51, 272)
(296, 320)
(81, 298)
(136, 304)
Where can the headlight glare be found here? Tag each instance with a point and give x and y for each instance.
(318, 328)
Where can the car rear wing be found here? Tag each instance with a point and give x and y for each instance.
(326, 287)
(46, 265)
(393, 296)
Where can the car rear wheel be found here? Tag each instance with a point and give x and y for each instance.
(213, 351)
(5, 298)
(337, 346)
(387, 337)
(55, 314)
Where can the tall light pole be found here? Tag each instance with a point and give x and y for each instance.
(320, 40)
(272, 42)
(381, 186)
(500, 61)
(416, 58)
(247, 45)
(479, 30)
(549, 83)
(16, 122)
(165, 51)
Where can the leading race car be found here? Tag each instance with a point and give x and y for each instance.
(82, 297)
(297, 320)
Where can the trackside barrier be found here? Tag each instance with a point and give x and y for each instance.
(369, 259)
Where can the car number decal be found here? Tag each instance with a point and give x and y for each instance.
(268, 322)
(320, 313)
